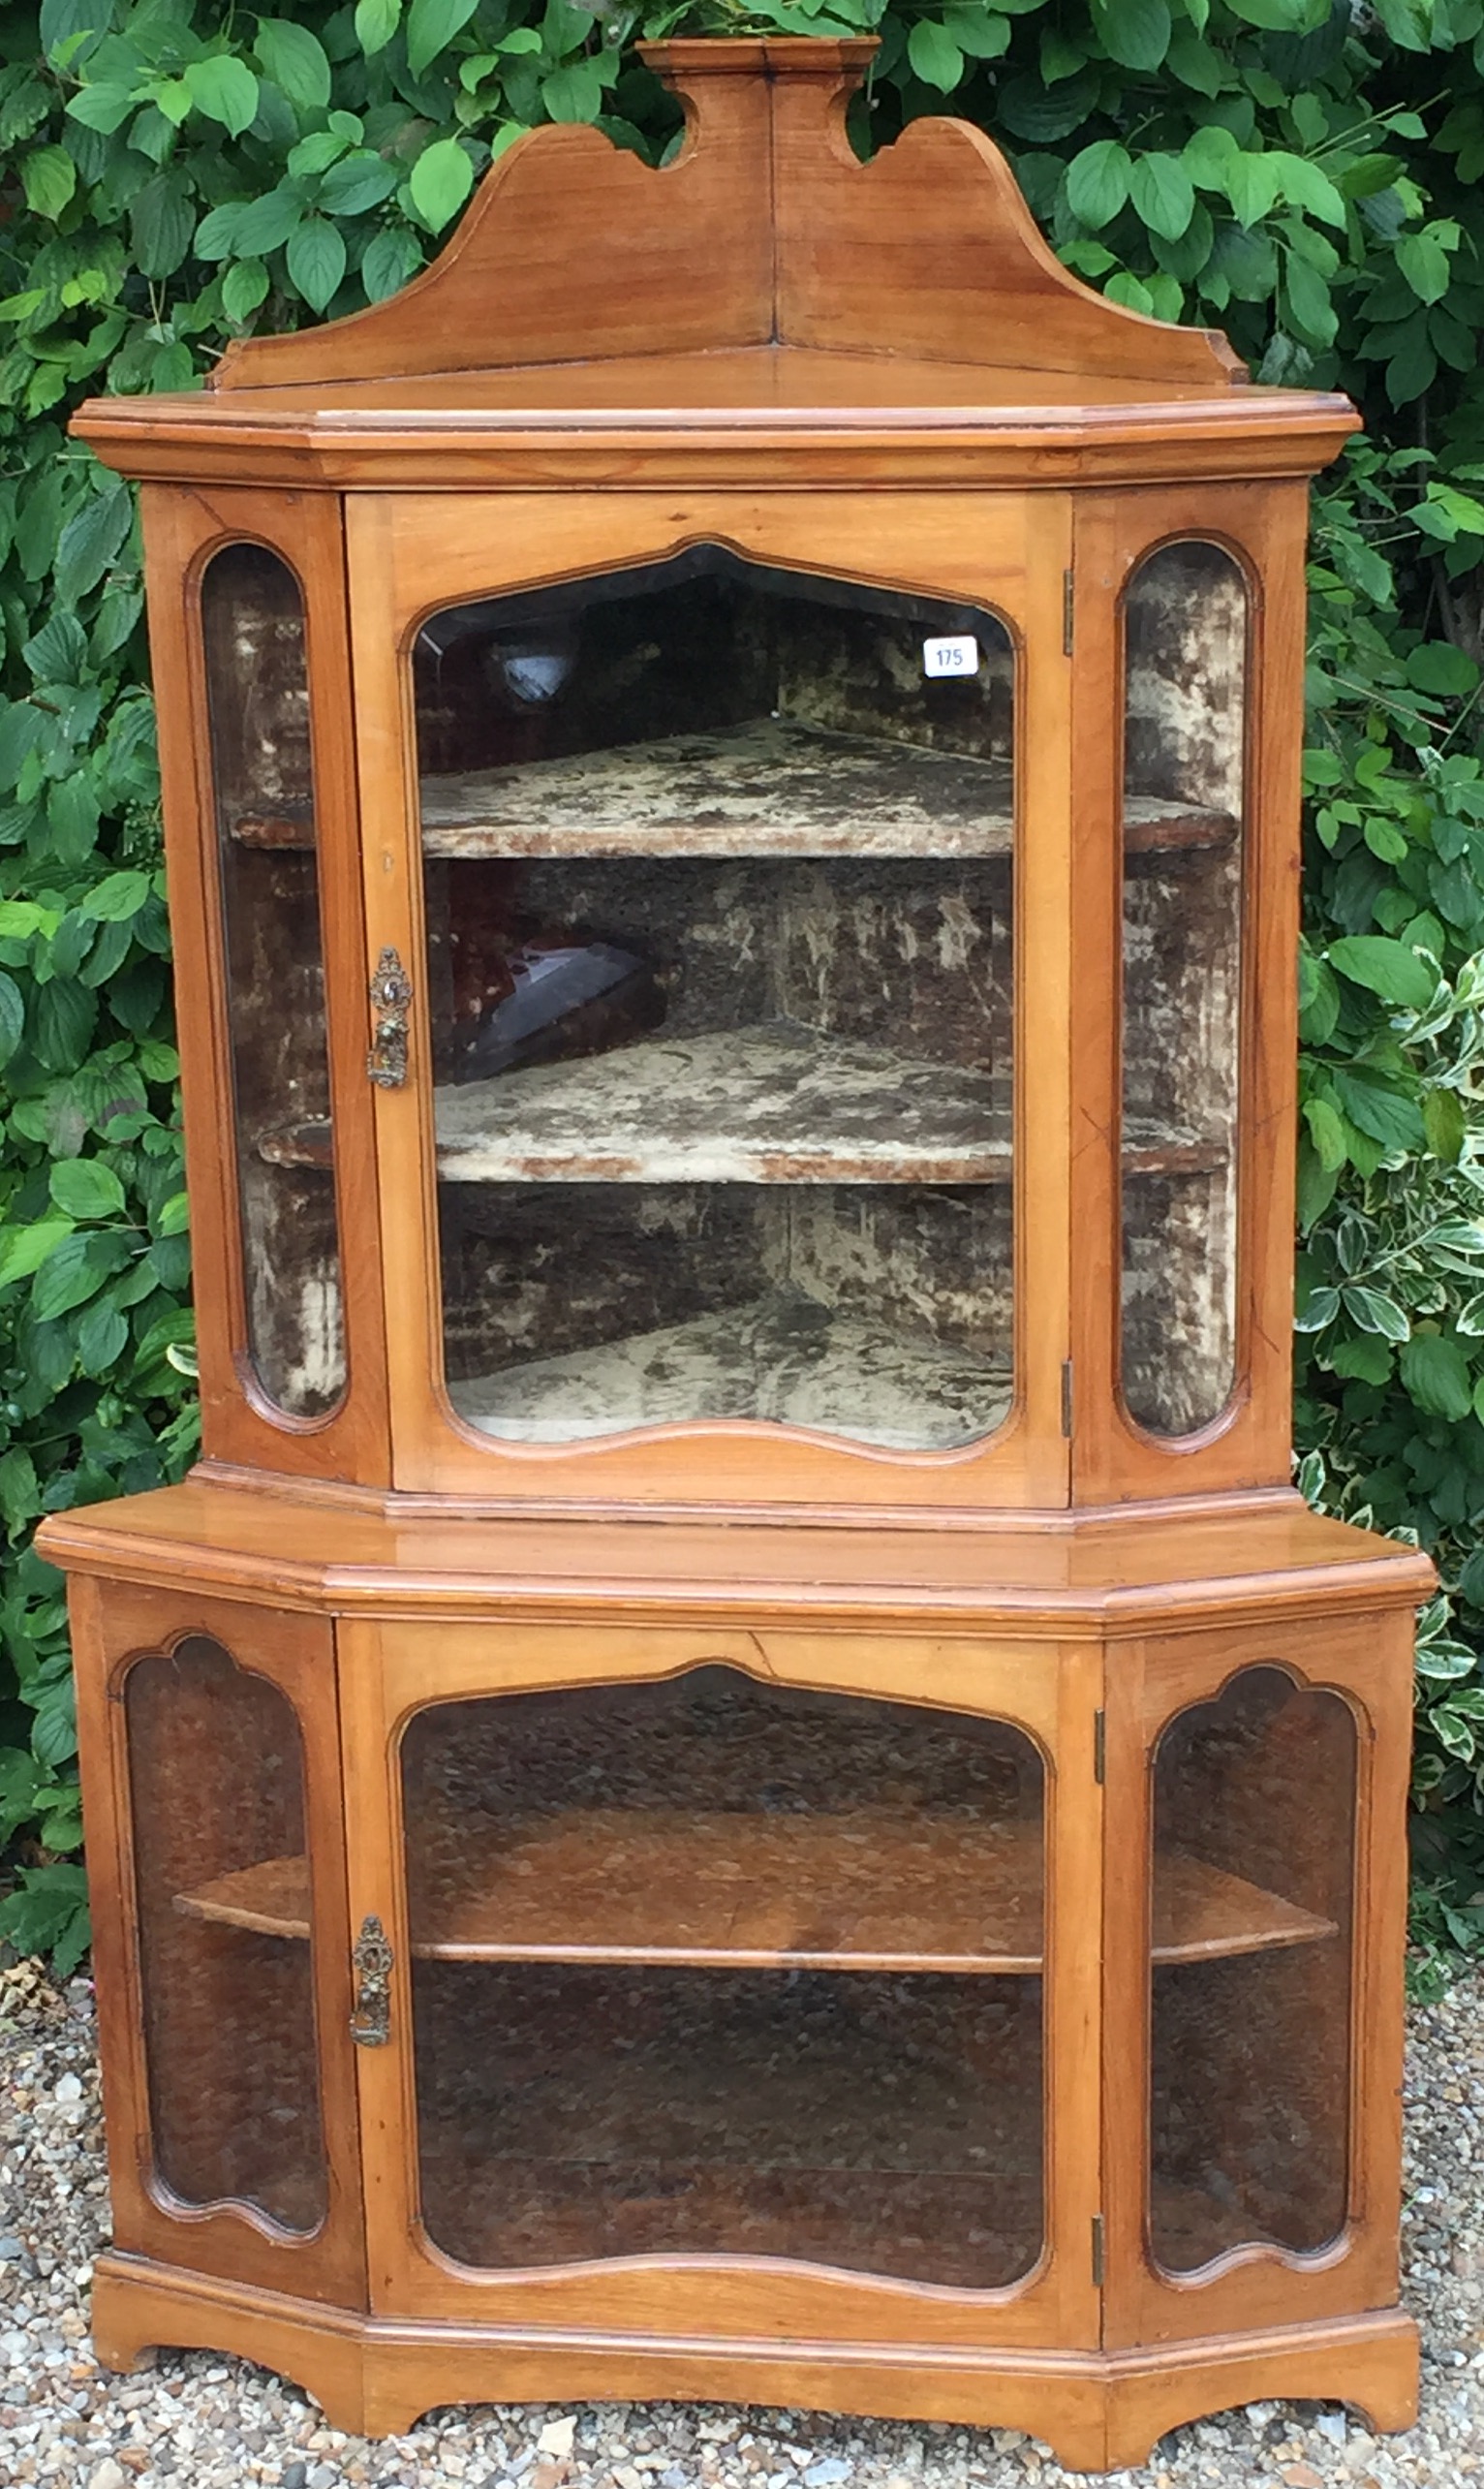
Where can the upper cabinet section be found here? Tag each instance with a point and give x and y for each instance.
(764, 308)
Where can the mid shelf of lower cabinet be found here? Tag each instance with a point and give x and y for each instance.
(859, 1890)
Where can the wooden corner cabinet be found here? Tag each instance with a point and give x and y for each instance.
(739, 1773)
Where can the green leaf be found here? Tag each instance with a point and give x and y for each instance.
(91, 540)
(266, 224)
(23, 1250)
(392, 256)
(1373, 1311)
(1252, 183)
(376, 22)
(1444, 1123)
(1425, 264)
(1312, 313)
(296, 60)
(69, 1276)
(1438, 666)
(1098, 183)
(48, 177)
(1376, 1107)
(85, 1189)
(317, 260)
(13, 1016)
(103, 1335)
(243, 288)
(1163, 195)
(574, 93)
(934, 55)
(1326, 1132)
(1384, 967)
(360, 180)
(117, 896)
(162, 222)
(431, 26)
(224, 89)
(1435, 1373)
(1135, 33)
(442, 180)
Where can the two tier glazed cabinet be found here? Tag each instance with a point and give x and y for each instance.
(740, 1773)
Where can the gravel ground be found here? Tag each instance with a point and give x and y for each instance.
(198, 2422)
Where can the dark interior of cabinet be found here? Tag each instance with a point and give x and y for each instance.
(806, 2104)
(217, 1783)
(766, 1170)
(258, 703)
(1186, 625)
(1251, 2069)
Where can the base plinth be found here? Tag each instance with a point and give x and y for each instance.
(1097, 2410)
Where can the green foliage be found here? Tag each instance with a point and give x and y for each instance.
(178, 172)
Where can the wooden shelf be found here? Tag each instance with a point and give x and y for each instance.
(771, 788)
(781, 1359)
(833, 1893)
(771, 1104)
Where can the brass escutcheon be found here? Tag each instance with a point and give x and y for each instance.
(371, 2014)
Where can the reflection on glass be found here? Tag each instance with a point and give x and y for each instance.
(709, 1967)
(258, 701)
(717, 879)
(1186, 657)
(1254, 1796)
(217, 1788)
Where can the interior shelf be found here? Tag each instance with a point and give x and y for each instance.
(861, 1891)
(782, 1358)
(772, 1104)
(773, 786)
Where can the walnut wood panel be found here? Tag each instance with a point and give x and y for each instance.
(181, 532)
(386, 1672)
(1253, 2285)
(409, 556)
(1096, 2411)
(1250, 1443)
(112, 1628)
(1114, 1576)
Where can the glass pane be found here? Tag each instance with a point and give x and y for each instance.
(1186, 642)
(718, 875)
(708, 1967)
(257, 697)
(217, 1781)
(1255, 1833)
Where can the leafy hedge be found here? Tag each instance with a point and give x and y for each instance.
(179, 172)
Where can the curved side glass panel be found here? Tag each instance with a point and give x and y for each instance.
(1253, 1878)
(1186, 678)
(718, 874)
(216, 1771)
(709, 1968)
(258, 701)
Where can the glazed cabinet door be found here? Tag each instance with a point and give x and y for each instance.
(723, 1144)
(1256, 1913)
(252, 675)
(216, 1869)
(1189, 613)
(724, 1984)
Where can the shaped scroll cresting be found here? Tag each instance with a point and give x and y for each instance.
(764, 228)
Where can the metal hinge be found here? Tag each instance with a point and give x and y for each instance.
(1099, 1747)
(391, 993)
(1098, 2250)
(371, 2012)
(1067, 612)
(1066, 1399)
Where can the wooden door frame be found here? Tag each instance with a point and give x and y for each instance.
(113, 1627)
(1367, 1660)
(389, 1670)
(410, 553)
(1265, 527)
(184, 528)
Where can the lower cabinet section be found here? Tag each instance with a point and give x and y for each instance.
(955, 2024)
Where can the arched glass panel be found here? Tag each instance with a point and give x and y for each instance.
(709, 1967)
(1253, 1878)
(1185, 687)
(258, 701)
(718, 874)
(216, 1770)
